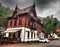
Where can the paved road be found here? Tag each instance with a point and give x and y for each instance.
(54, 43)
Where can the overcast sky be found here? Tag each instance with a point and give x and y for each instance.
(43, 7)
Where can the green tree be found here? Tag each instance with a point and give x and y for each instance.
(4, 13)
(58, 26)
(50, 24)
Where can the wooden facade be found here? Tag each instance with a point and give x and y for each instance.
(25, 18)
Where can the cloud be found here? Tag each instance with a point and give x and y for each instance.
(49, 7)
(8, 3)
(20, 3)
(43, 7)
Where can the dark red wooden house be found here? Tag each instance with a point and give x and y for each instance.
(24, 24)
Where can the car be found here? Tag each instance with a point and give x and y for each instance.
(50, 38)
(56, 37)
(43, 40)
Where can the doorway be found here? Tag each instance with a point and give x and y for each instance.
(19, 33)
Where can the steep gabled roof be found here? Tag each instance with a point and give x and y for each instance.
(37, 20)
(22, 11)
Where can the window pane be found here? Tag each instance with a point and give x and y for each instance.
(15, 23)
(14, 35)
(9, 34)
(20, 22)
(11, 23)
(31, 34)
(34, 35)
(19, 33)
(28, 34)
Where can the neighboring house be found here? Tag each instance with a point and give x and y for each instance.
(24, 24)
(58, 30)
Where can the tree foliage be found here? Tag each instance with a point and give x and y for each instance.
(50, 24)
(58, 26)
(4, 13)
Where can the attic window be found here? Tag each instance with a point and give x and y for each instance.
(31, 13)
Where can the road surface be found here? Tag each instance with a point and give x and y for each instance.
(54, 43)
